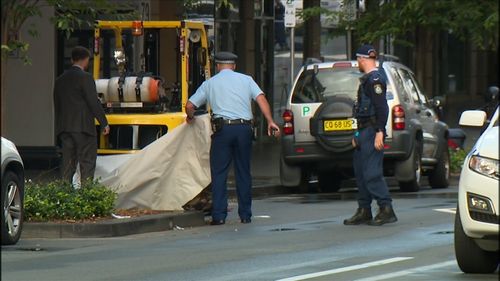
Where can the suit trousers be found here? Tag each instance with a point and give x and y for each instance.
(368, 168)
(232, 142)
(78, 148)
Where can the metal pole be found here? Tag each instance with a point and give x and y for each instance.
(292, 55)
(349, 44)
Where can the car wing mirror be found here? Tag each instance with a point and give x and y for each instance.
(474, 118)
(438, 101)
(492, 94)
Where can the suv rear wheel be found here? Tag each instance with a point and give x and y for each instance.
(470, 257)
(440, 175)
(414, 163)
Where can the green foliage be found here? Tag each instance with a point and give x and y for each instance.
(73, 14)
(225, 3)
(476, 21)
(457, 158)
(193, 4)
(16, 48)
(60, 201)
(69, 15)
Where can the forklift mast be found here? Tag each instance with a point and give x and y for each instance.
(157, 66)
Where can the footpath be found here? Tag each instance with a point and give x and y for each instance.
(265, 173)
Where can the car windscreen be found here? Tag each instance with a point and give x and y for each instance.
(328, 82)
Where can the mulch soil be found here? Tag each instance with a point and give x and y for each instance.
(133, 213)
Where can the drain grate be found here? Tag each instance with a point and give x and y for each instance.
(283, 229)
(444, 232)
(30, 249)
(319, 222)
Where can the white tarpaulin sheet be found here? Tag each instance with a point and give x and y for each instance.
(166, 174)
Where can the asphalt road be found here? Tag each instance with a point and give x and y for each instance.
(292, 237)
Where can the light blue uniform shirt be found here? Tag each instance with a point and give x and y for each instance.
(229, 95)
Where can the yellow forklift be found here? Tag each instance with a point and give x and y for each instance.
(157, 66)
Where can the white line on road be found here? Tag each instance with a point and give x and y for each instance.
(263, 217)
(263, 271)
(345, 269)
(408, 271)
(447, 210)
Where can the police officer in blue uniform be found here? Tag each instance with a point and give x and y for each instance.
(371, 112)
(230, 96)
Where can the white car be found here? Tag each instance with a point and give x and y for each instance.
(477, 218)
(12, 194)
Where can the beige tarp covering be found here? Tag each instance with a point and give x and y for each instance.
(166, 174)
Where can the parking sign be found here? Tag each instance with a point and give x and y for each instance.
(290, 13)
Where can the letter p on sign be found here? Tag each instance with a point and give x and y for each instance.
(306, 110)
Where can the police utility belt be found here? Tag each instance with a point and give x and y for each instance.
(366, 122)
(219, 122)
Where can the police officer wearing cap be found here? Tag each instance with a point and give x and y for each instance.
(230, 96)
(371, 112)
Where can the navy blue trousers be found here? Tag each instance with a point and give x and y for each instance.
(231, 143)
(368, 168)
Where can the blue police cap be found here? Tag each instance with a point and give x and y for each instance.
(225, 58)
(366, 51)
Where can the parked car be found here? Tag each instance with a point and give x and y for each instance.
(12, 194)
(319, 125)
(477, 217)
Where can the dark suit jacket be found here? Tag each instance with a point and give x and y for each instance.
(76, 103)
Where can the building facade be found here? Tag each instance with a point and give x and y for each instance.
(243, 27)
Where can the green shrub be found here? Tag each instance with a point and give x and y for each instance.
(58, 200)
(457, 158)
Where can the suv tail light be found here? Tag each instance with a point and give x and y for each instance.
(398, 118)
(288, 122)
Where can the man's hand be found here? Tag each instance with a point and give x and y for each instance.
(106, 130)
(190, 109)
(379, 140)
(272, 126)
(266, 111)
(353, 143)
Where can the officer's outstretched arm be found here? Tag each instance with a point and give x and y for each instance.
(266, 111)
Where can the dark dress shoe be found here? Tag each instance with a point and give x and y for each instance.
(385, 215)
(362, 215)
(217, 222)
(245, 221)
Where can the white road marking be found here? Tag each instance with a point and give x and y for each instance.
(447, 210)
(345, 269)
(262, 217)
(267, 271)
(409, 271)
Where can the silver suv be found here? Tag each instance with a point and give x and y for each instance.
(319, 125)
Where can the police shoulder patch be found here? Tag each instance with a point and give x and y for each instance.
(378, 89)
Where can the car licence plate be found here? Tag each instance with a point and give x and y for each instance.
(339, 125)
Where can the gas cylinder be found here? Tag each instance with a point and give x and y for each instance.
(146, 91)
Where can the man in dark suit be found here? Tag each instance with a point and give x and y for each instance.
(76, 106)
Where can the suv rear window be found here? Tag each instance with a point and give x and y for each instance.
(328, 82)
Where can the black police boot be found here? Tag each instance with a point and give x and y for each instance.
(385, 215)
(362, 215)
